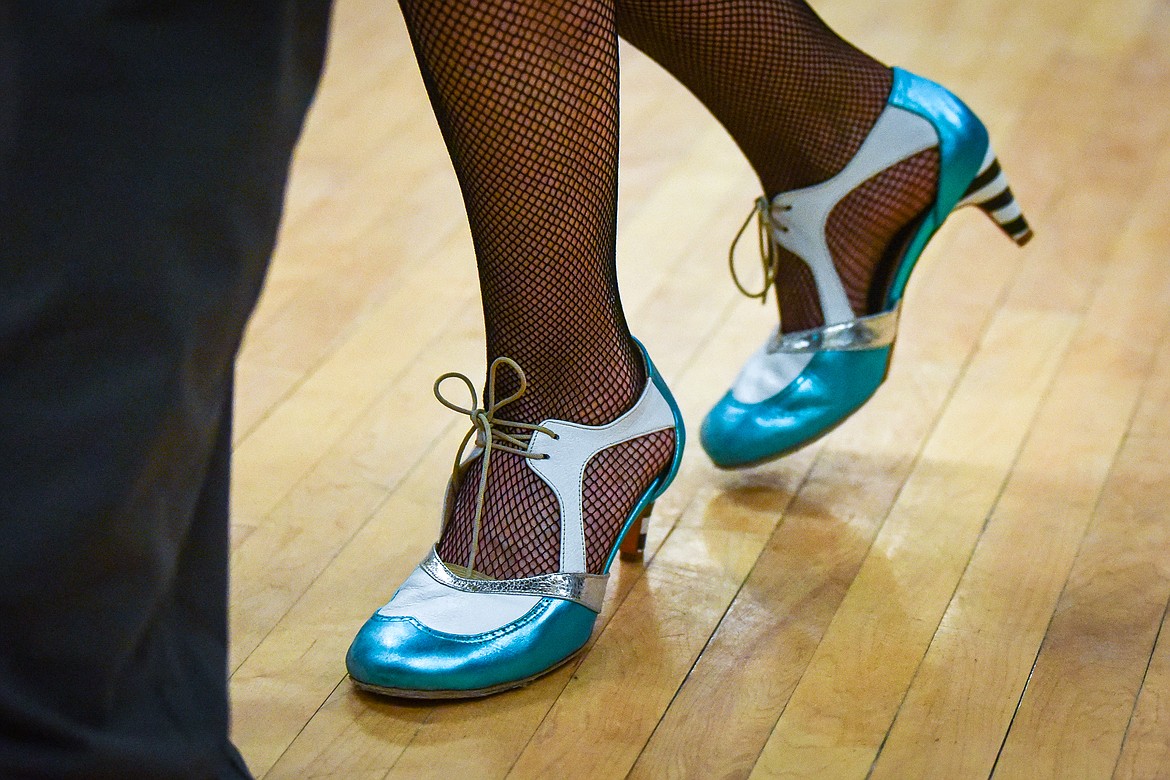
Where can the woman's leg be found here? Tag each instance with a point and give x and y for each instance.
(799, 101)
(860, 165)
(525, 93)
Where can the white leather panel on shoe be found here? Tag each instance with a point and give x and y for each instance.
(452, 611)
(767, 373)
(564, 469)
(801, 215)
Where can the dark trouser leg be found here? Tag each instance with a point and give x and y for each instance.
(143, 154)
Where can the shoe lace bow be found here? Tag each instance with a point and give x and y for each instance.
(491, 432)
(769, 256)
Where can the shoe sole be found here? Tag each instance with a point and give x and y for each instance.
(475, 693)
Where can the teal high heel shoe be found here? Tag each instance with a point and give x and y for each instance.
(799, 386)
(448, 632)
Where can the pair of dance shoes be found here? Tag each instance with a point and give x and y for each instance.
(448, 632)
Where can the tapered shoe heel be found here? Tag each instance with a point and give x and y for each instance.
(990, 192)
(633, 547)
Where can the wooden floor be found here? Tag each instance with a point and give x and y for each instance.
(969, 578)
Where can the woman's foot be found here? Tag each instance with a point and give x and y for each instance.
(531, 527)
(843, 250)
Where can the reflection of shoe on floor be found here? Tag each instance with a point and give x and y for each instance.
(799, 386)
(449, 632)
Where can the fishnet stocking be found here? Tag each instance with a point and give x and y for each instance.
(614, 481)
(871, 217)
(799, 101)
(865, 233)
(520, 532)
(525, 92)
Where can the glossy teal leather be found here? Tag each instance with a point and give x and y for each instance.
(680, 436)
(832, 386)
(399, 653)
(836, 384)
(962, 142)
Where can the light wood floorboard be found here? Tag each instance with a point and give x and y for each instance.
(969, 578)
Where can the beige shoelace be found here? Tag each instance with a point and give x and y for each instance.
(769, 258)
(485, 426)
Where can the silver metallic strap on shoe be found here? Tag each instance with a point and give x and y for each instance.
(871, 332)
(588, 590)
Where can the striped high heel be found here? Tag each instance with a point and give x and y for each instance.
(993, 196)
(799, 386)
